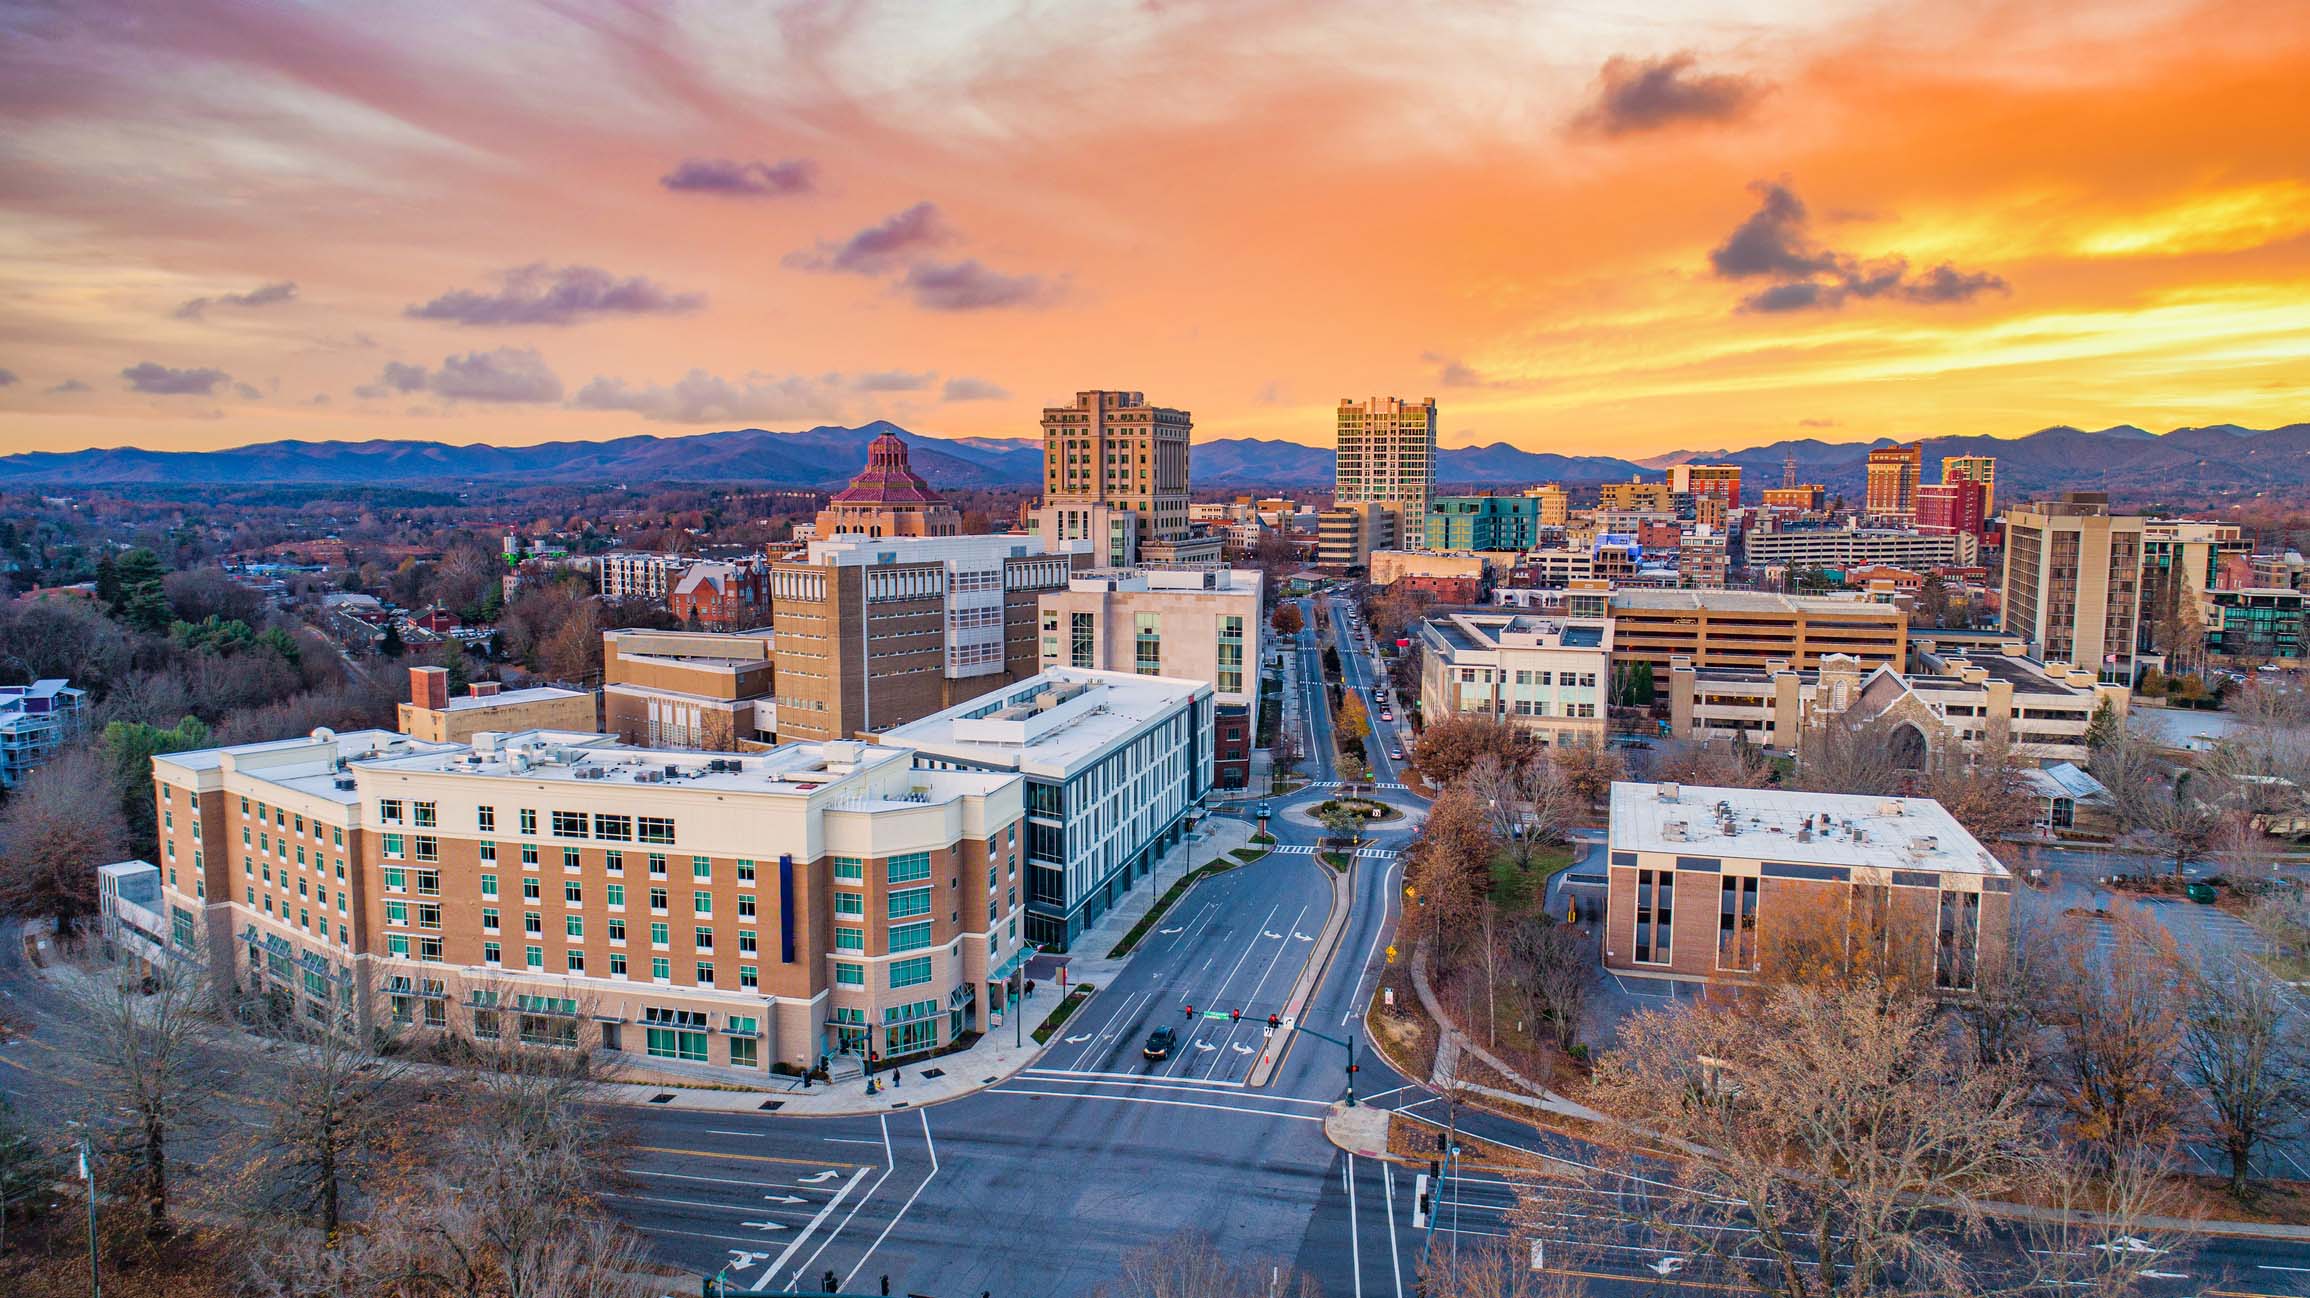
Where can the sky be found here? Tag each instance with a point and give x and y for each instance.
(1583, 228)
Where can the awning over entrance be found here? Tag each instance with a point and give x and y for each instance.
(1026, 952)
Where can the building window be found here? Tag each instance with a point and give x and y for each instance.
(1230, 655)
(849, 869)
(661, 969)
(425, 818)
(913, 901)
(850, 903)
(701, 868)
(485, 819)
(491, 953)
(743, 1052)
(1736, 938)
(909, 937)
(655, 829)
(616, 829)
(1655, 892)
(616, 894)
(669, 1043)
(1957, 953)
(850, 975)
(850, 939)
(388, 812)
(569, 824)
(1083, 651)
(702, 903)
(530, 890)
(661, 933)
(909, 868)
(1147, 643)
(910, 973)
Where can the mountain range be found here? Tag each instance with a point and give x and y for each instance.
(2125, 460)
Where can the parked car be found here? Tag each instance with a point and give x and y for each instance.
(1160, 1043)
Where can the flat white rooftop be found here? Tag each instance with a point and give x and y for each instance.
(1807, 828)
(792, 770)
(511, 698)
(306, 764)
(1051, 724)
(1748, 601)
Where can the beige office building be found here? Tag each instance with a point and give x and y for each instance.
(2073, 579)
(1112, 448)
(1348, 533)
(1727, 628)
(1545, 675)
(1636, 494)
(689, 689)
(1386, 452)
(430, 714)
(1198, 625)
(690, 911)
(874, 633)
(1555, 503)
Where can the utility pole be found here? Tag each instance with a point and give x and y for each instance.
(1350, 1046)
(88, 1174)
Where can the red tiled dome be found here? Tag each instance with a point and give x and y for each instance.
(887, 480)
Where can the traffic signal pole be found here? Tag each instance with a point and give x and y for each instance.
(1348, 1045)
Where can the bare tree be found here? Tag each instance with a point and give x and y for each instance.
(2003, 1015)
(2169, 823)
(1555, 965)
(1837, 1142)
(1448, 869)
(1589, 767)
(333, 1108)
(1190, 1265)
(2252, 1062)
(149, 1038)
(1712, 763)
(1985, 791)
(63, 823)
(1840, 754)
(2116, 1034)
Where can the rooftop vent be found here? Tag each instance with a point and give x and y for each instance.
(1670, 790)
(1889, 807)
(1676, 831)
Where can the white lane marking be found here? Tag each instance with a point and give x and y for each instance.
(902, 1209)
(677, 1203)
(1355, 1229)
(1076, 1041)
(713, 1132)
(1126, 1077)
(764, 1225)
(851, 1140)
(1260, 987)
(1175, 1104)
(684, 1176)
(1272, 934)
(1221, 989)
(1169, 931)
(1395, 1261)
(1190, 1085)
(738, 1267)
(818, 1179)
(784, 1198)
(811, 1227)
(1356, 998)
(889, 1165)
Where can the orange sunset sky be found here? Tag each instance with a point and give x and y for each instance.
(1584, 228)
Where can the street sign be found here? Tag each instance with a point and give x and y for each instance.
(1215, 1014)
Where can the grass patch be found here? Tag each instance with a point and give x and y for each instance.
(1281, 787)
(1522, 887)
(1336, 860)
(1163, 903)
(1369, 810)
(1264, 840)
(1062, 1011)
(1248, 854)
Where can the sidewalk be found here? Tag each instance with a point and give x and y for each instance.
(1452, 1043)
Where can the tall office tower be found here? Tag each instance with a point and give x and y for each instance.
(1893, 473)
(1720, 480)
(2073, 577)
(1112, 448)
(1974, 468)
(1788, 470)
(1387, 453)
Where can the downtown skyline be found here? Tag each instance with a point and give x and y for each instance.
(235, 222)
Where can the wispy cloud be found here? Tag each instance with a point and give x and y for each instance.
(732, 179)
(8, 379)
(894, 381)
(879, 248)
(68, 387)
(507, 375)
(972, 286)
(262, 295)
(1634, 95)
(960, 388)
(159, 380)
(1776, 243)
(700, 397)
(538, 294)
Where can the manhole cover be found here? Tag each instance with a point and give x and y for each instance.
(666, 1098)
(772, 1105)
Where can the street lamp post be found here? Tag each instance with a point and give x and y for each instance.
(88, 1174)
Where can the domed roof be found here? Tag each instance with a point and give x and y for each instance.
(888, 479)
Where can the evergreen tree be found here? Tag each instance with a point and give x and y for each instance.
(391, 646)
(1640, 685)
(2104, 729)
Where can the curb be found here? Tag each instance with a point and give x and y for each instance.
(1348, 1130)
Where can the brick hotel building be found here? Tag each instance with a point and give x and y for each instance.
(696, 908)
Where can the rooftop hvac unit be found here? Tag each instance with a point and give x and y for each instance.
(1889, 807)
(1676, 831)
(344, 786)
(1924, 845)
(670, 771)
(1670, 791)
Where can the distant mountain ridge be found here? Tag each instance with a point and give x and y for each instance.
(2124, 460)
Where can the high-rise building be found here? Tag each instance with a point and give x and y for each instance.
(888, 498)
(1974, 468)
(876, 633)
(635, 574)
(1720, 480)
(732, 911)
(1892, 483)
(2073, 576)
(2181, 562)
(1386, 452)
(1548, 676)
(1112, 448)
(1637, 494)
(1956, 506)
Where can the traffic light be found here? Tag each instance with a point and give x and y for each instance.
(1190, 1013)
(1274, 1022)
(1234, 1017)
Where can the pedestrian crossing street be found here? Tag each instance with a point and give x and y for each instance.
(1309, 849)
